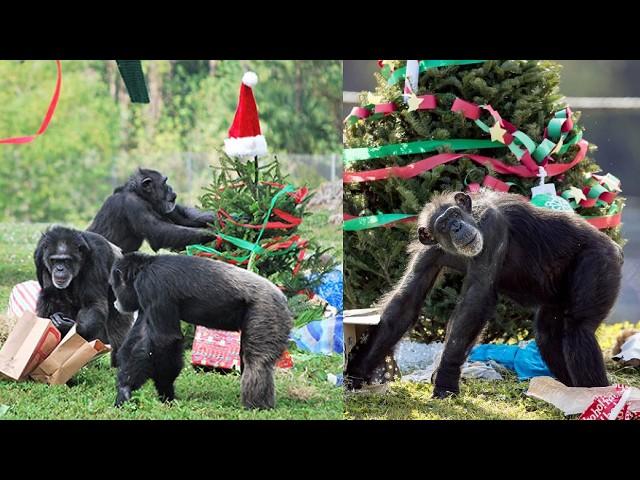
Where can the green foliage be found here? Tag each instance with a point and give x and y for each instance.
(526, 93)
(234, 190)
(97, 136)
(63, 172)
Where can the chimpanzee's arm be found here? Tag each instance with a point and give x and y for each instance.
(479, 296)
(400, 310)
(91, 321)
(190, 217)
(162, 234)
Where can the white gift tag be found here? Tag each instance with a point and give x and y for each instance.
(543, 188)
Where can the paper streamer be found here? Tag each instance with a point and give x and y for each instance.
(423, 146)
(425, 65)
(362, 223)
(47, 117)
(416, 168)
(254, 248)
(292, 220)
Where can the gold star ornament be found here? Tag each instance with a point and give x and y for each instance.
(577, 194)
(497, 133)
(414, 102)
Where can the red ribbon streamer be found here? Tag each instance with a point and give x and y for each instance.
(47, 118)
(494, 184)
(606, 221)
(429, 163)
(468, 109)
(293, 220)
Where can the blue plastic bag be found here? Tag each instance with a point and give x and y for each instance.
(526, 361)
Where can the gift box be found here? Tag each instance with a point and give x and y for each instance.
(221, 349)
(29, 343)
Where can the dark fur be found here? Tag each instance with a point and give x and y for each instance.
(168, 288)
(87, 299)
(554, 261)
(145, 208)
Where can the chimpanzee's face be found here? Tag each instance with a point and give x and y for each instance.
(453, 228)
(126, 295)
(64, 260)
(154, 188)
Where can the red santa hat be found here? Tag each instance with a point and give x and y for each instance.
(245, 139)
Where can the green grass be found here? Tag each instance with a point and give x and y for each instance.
(500, 400)
(301, 392)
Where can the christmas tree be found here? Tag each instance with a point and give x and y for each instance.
(436, 125)
(259, 213)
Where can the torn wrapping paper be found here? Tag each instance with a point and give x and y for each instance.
(418, 361)
(595, 403)
(321, 336)
(630, 351)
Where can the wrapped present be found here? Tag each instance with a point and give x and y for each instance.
(221, 349)
(23, 298)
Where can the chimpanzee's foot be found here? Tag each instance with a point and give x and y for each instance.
(166, 394)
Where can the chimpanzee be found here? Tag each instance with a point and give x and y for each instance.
(73, 271)
(551, 260)
(145, 208)
(167, 288)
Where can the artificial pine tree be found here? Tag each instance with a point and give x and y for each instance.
(446, 105)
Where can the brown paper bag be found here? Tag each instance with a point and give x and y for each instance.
(29, 343)
(73, 353)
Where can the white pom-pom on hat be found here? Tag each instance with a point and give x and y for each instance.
(250, 79)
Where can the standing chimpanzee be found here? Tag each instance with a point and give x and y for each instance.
(552, 260)
(73, 271)
(167, 288)
(145, 208)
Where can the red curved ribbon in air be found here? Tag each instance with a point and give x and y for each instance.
(47, 118)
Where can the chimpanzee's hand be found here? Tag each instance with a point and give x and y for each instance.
(62, 323)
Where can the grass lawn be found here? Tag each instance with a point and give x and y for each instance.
(301, 392)
(499, 400)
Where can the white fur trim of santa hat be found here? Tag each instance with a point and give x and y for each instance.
(245, 146)
(250, 79)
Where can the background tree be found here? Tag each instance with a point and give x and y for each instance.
(97, 135)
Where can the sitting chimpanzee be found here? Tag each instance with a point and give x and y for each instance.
(145, 208)
(551, 260)
(73, 271)
(167, 288)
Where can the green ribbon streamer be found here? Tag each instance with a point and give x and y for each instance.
(373, 221)
(254, 248)
(423, 146)
(399, 74)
